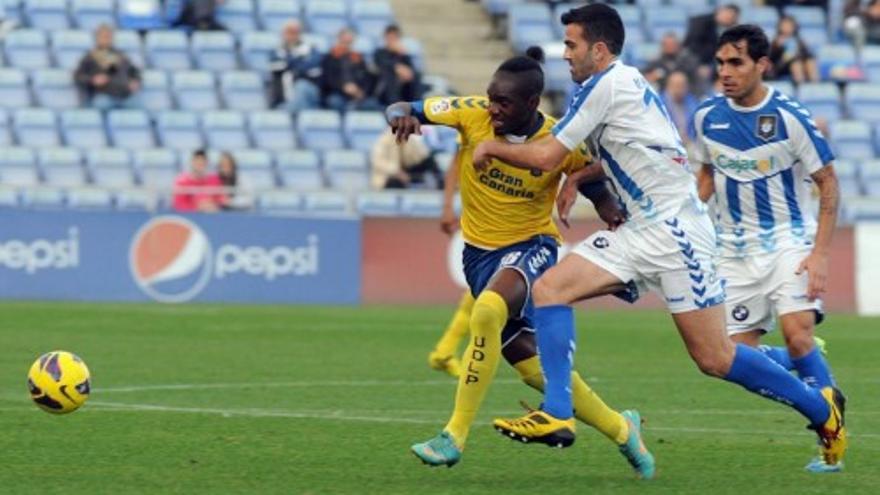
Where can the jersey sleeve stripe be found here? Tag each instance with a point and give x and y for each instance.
(797, 218)
(802, 116)
(418, 111)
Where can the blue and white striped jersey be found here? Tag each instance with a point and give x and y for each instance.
(639, 146)
(763, 157)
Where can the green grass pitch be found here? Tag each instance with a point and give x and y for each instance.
(290, 400)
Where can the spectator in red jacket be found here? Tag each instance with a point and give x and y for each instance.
(198, 189)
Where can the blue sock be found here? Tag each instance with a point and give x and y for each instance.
(778, 354)
(554, 328)
(813, 369)
(756, 372)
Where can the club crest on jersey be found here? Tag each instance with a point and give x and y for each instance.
(766, 127)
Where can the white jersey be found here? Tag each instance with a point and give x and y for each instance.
(763, 157)
(639, 146)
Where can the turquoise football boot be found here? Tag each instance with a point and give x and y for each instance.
(634, 449)
(438, 451)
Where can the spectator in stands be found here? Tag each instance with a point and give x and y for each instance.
(680, 102)
(397, 166)
(347, 81)
(398, 79)
(106, 76)
(236, 196)
(672, 58)
(296, 71)
(703, 31)
(198, 189)
(862, 26)
(200, 15)
(789, 54)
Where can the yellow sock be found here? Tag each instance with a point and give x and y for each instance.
(457, 328)
(588, 406)
(480, 361)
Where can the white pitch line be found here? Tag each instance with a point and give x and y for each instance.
(302, 384)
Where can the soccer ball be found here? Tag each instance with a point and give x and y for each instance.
(59, 382)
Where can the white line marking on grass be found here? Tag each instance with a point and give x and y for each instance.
(316, 383)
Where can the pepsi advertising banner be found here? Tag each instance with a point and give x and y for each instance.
(179, 258)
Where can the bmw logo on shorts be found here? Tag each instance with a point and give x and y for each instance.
(740, 312)
(601, 242)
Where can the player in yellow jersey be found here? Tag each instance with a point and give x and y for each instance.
(511, 239)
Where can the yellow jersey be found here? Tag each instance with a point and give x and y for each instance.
(503, 204)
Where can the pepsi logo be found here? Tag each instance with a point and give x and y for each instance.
(171, 259)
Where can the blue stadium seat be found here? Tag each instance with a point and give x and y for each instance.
(140, 14)
(693, 7)
(765, 17)
(179, 130)
(83, 129)
(662, 20)
(363, 128)
(320, 129)
(271, 130)
(47, 15)
(871, 62)
(5, 134)
(529, 24)
(90, 198)
(157, 168)
(154, 90)
(347, 169)
(43, 198)
(822, 99)
(214, 50)
(326, 18)
(365, 46)
(371, 17)
(299, 169)
(136, 200)
(499, 7)
(89, 14)
(815, 37)
(852, 139)
(642, 53)
(326, 203)
(110, 167)
(195, 90)
(35, 127)
(421, 204)
(18, 167)
(26, 49)
(9, 197)
(863, 101)
(273, 14)
(14, 91)
(129, 42)
(68, 47)
(54, 88)
(225, 129)
(130, 129)
(807, 17)
(323, 43)
(848, 178)
(784, 87)
(243, 90)
(62, 166)
(835, 60)
(168, 50)
(255, 168)
(870, 177)
(561, 8)
(557, 76)
(237, 15)
(378, 203)
(279, 201)
(257, 47)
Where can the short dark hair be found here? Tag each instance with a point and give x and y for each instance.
(199, 153)
(731, 6)
(392, 28)
(600, 23)
(527, 68)
(756, 40)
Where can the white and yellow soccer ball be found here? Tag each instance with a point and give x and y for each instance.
(59, 382)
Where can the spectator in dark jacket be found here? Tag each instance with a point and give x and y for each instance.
(347, 81)
(106, 76)
(398, 79)
(200, 15)
(296, 71)
(704, 30)
(789, 54)
(672, 58)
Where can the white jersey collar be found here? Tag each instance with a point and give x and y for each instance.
(763, 102)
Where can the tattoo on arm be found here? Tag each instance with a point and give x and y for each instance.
(829, 195)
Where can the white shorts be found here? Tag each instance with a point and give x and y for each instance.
(761, 287)
(675, 258)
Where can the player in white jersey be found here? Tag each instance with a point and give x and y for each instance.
(761, 152)
(667, 244)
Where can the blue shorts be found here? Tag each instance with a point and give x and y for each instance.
(530, 258)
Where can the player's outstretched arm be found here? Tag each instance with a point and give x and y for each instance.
(816, 264)
(706, 182)
(590, 182)
(544, 154)
(402, 121)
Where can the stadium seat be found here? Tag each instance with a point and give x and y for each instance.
(83, 129)
(784, 87)
(35, 127)
(47, 15)
(836, 60)
(326, 203)
(529, 24)
(69, 47)
(347, 169)
(299, 169)
(807, 17)
(371, 17)
(237, 15)
(326, 18)
(320, 129)
(273, 14)
(195, 90)
(765, 17)
(110, 167)
(9, 197)
(421, 204)
(168, 50)
(378, 203)
(62, 166)
(822, 99)
(136, 200)
(641, 53)
(5, 134)
(26, 49)
(43, 198)
(271, 130)
(243, 90)
(90, 198)
(279, 201)
(848, 178)
(664, 19)
(89, 14)
(499, 7)
(154, 90)
(130, 129)
(863, 101)
(18, 167)
(156, 168)
(365, 46)
(140, 14)
(255, 169)
(322, 43)
(363, 128)
(852, 139)
(179, 130)
(257, 47)
(54, 88)
(871, 62)
(129, 42)
(557, 76)
(225, 129)
(870, 177)
(214, 50)
(14, 91)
